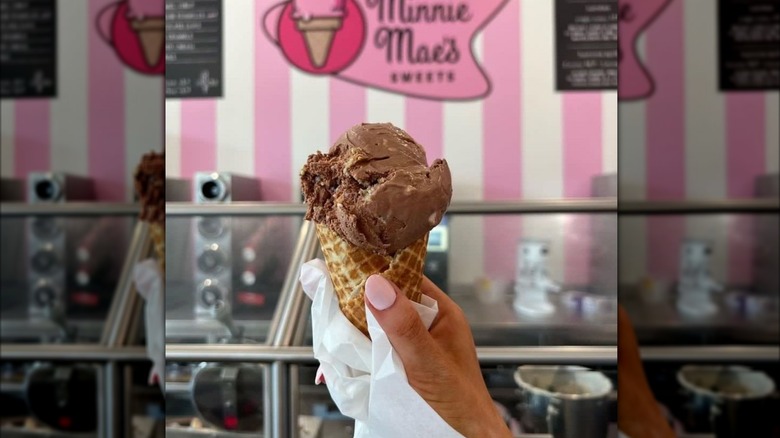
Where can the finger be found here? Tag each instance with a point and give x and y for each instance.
(395, 314)
(427, 287)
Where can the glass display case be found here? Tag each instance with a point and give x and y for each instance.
(230, 270)
(63, 267)
(225, 273)
(537, 283)
(484, 255)
(699, 281)
(702, 274)
(68, 312)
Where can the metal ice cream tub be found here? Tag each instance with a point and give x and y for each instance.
(732, 399)
(565, 401)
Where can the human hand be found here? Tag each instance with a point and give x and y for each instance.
(638, 413)
(441, 363)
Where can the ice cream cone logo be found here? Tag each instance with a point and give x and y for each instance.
(318, 33)
(318, 36)
(135, 29)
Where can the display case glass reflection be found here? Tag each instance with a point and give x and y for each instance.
(224, 275)
(60, 275)
(527, 280)
(701, 279)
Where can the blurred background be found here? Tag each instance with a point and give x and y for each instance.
(528, 249)
(571, 192)
(698, 244)
(82, 93)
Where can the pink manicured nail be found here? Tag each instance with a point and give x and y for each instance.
(379, 292)
(319, 378)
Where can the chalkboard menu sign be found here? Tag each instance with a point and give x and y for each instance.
(586, 35)
(193, 48)
(749, 40)
(28, 48)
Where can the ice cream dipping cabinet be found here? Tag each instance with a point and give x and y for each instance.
(702, 293)
(73, 361)
(530, 277)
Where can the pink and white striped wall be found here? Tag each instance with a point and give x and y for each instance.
(691, 141)
(104, 119)
(524, 141)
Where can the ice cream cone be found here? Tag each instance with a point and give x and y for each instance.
(157, 233)
(318, 33)
(151, 33)
(350, 267)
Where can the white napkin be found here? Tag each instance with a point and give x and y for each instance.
(148, 283)
(366, 379)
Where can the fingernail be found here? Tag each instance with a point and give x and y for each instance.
(319, 378)
(379, 292)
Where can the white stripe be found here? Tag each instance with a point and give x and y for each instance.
(705, 114)
(609, 132)
(173, 138)
(7, 138)
(772, 131)
(632, 249)
(382, 106)
(143, 120)
(69, 111)
(462, 144)
(542, 121)
(542, 155)
(235, 111)
(310, 116)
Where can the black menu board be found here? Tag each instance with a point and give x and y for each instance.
(586, 49)
(749, 43)
(28, 48)
(193, 48)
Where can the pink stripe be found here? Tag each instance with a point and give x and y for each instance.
(273, 132)
(424, 120)
(582, 152)
(746, 156)
(501, 165)
(746, 142)
(665, 150)
(347, 107)
(198, 136)
(32, 136)
(742, 249)
(106, 135)
(582, 149)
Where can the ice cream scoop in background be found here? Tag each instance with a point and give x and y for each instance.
(374, 200)
(318, 20)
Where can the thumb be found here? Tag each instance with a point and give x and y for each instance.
(395, 314)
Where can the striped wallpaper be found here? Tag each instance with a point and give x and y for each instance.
(105, 117)
(689, 140)
(523, 141)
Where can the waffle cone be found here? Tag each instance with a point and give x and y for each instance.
(350, 267)
(157, 233)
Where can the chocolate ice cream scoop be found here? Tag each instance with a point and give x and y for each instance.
(375, 189)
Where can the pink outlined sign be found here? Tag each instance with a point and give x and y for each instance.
(420, 49)
(635, 16)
